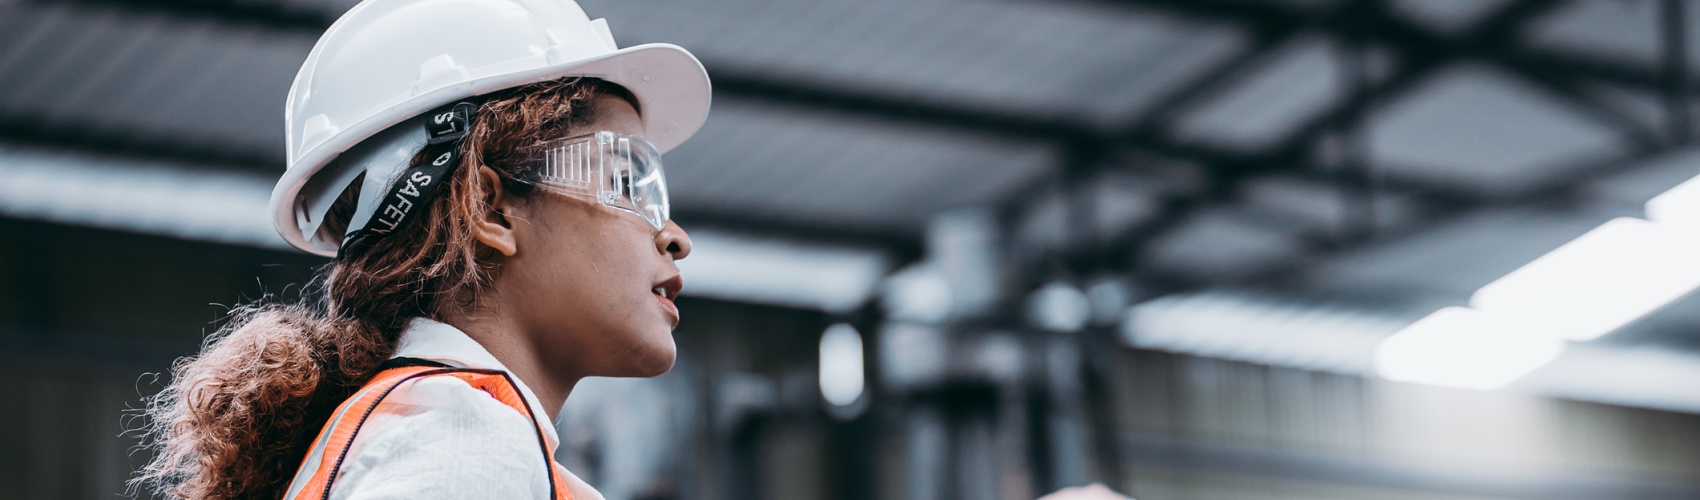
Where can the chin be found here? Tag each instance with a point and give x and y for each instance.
(658, 368)
(655, 364)
(651, 359)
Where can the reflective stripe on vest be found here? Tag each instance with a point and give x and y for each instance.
(313, 480)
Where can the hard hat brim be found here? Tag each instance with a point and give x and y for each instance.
(670, 84)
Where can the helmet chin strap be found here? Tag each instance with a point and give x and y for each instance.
(416, 186)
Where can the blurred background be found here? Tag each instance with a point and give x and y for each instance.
(1192, 249)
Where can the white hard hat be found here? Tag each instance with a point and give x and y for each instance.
(386, 62)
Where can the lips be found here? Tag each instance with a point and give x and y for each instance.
(669, 288)
(665, 292)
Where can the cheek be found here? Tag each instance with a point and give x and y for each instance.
(620, 327)
(596, 282)
(589, 281)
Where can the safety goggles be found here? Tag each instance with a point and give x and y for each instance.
(620, 171)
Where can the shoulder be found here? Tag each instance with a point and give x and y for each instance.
(443, 436)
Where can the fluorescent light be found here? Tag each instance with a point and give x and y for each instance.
(1244, 328)
(1264, 330)
(1607, 278)
(1462, 347)
(1679, 205)
(841, 379)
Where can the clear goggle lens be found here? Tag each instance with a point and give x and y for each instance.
(620, 171)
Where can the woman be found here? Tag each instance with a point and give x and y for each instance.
(487, 175)
(483, 172)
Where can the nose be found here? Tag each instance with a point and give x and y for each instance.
(673, 241)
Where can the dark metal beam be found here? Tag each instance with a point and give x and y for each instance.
(1422, 54)
(1266, 42)
(1556, 193)
(271, 16)
(1674, 28)
(1495, 42)
(1359, 23)
(1494, 31)
(1321, 247)
(731, 79)
(1354, 172)
(1276, 15)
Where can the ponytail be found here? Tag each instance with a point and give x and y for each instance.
(255, 390)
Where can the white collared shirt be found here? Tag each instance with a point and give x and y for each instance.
(448, 439)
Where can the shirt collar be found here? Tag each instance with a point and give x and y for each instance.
(437, 341)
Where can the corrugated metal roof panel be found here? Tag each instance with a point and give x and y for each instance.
(1613, 31)
(145, 76)
(1480, 130)
(838, 170)
(1266, 108)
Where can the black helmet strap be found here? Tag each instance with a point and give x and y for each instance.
(444, 128)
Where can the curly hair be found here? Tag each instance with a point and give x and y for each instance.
(237, 419)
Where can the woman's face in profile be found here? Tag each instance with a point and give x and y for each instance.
(585, 276)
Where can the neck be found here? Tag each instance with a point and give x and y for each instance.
(508, 342)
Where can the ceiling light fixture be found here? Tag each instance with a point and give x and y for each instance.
(1615, 274)
(1462, 347)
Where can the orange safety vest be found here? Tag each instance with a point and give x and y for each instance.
(318, 470)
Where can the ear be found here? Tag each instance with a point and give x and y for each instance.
(490, 224)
